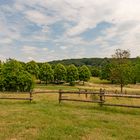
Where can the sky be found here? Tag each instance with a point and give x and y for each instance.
(46, 30)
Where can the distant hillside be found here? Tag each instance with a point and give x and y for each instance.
(86, 61)
(83, 61)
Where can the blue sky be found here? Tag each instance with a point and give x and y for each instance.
(59, 29)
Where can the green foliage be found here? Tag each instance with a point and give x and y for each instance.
(135, 71)
(84, 73)
(97, 80)
(95, 71)
(23, 64)
(121, 68)
(25, 81)
(138, 72)
(14, 75)
(120, 74)
(14, 78)
(60, 73)
(72, 74)
(106, 71)
(46, 73)
(33, 68)
(0, 66)
(84, 61)
(134, 75)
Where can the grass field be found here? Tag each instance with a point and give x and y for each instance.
(94, 83)
(46, 119)
(98, 81)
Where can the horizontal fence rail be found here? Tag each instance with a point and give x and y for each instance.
(45, 91)
(122, 95)
(30, 98)
(121, 105)
(102, 96)
(92, 101)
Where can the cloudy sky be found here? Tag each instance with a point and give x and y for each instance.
(45, 30)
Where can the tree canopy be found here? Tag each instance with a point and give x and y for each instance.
(14, 78)
(32, 68)
(72, 74)
(84, 73)
(46, 73)
(120, 70)
(60, 73)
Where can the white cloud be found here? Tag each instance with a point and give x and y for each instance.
(45, 49)
(6, 41)
(36, 17)
(63, 47)
(77, 16)
(36, 53)
(29, 48)
(33, 50)
(30, 58)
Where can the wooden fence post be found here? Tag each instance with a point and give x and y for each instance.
(60, 95)
(86, 93)
(101, 97)
(79, 91)
(104, 91)
(31, 96)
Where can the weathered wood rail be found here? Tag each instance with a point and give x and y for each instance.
(45, 91)
(30, 98)
(102, 96)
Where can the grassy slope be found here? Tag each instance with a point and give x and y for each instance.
(46, 119)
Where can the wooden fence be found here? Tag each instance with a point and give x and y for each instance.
(30, 98)
(102, 96)
(101, 100)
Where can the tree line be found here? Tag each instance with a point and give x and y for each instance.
(20, 76)
(95, 62)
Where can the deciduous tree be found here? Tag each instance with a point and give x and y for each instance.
(120, 72)
(32, 68)
(46, 73)
(11, 77)
(60, 73)
(72, 74)
(84, 74)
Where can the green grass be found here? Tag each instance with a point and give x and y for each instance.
(94, 83)
(55, 87)
(97, 80)
(45, 119)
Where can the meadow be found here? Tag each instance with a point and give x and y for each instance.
(46, 119)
